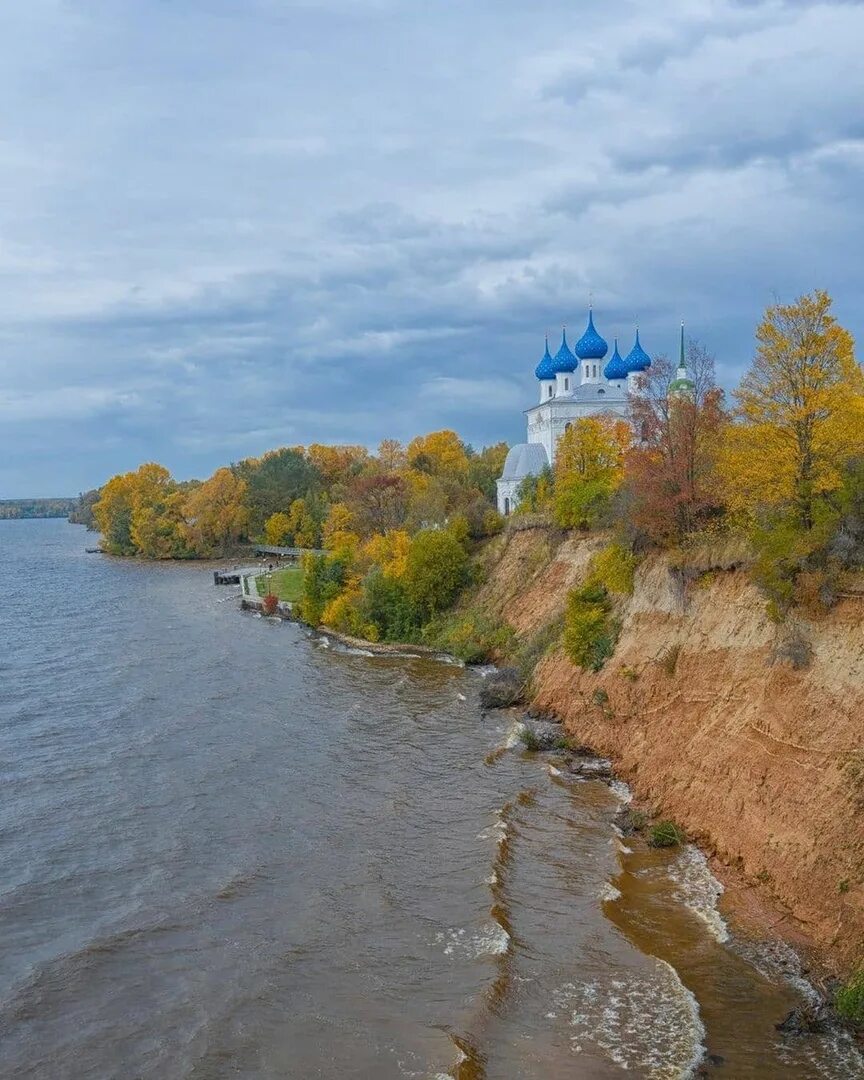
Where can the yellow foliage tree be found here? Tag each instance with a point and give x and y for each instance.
(389, 551)
(340, 518)
(589, 467)
(800, 413)
(216, 513)
(277, 529)
(441, 453)
(337, 463)
(141, 513)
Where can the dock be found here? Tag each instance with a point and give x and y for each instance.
(234, 575)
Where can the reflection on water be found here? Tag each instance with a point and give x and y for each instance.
(228, 851)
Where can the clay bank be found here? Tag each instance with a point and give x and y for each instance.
(745, 732)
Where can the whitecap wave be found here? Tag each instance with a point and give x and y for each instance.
(489, 940)
(698, 889)
(648, 1022)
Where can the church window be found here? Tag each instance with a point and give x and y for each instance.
(550, 392)
(567, 426)
(506, 508)
(566, 384)
(595, 371)
(601, 391)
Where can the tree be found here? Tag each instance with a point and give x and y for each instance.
(337, 464)
(276, 481)
(113, 514)
(800, 412)
(216, 514)
(589, 465)
(379, 502)
(277, 530)
(436, 568)
(391, 455)
(485, 467)
(671, 480)
(439, 453)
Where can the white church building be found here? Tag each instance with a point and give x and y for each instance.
(573, 383)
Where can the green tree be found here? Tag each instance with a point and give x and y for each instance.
(435, 570)
(276, 481)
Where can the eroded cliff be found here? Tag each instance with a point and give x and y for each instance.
(709, 719)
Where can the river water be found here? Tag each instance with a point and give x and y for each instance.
(230, 851)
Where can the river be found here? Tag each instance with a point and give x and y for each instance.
(230, 850)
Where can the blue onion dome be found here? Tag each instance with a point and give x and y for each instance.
(617, 366)
(637, 359)
(591, 346)
(564, 359)
(546, 368)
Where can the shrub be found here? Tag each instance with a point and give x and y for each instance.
(471, 636)
(530, 740)
(590, 632)
(385, 604)
(270, 604)
(850, 999)
(665, 834)
(615, 569)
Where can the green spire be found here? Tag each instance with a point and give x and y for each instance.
(681, 362)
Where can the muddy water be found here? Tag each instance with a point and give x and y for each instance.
(230, 850)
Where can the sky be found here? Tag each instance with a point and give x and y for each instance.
(228, 226)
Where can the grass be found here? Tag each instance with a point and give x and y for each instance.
(665, 834)
(287, 584)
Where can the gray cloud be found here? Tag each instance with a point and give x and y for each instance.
(225, 227)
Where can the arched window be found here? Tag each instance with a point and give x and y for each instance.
(567, 426)
(506, 508)
(550, 392)
(566, 384)
(601, 391)
(587, 370)
(595, 371)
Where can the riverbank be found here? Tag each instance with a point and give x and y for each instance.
(706, 715)
(758, 760)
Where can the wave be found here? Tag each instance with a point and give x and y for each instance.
(648, 1022)
(698, 889)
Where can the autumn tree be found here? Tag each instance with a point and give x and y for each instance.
(391, 455)
(440, 453)
(337, 464)
(216, 514)
(671, 482)
(378, 502)
(589, 465)
(800, 412)
(277, 530)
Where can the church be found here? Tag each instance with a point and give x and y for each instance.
(573, 383)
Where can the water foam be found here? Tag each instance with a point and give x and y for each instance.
(698, 889)
(647, 1022)
(489, 940)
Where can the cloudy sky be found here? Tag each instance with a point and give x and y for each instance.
(228, 225)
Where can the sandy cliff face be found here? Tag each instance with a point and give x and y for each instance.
(762, 763)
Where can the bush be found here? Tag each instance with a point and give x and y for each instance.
(665, 834)
(270, 604)
(471, 636)
(590, 632)
(615, 569)
(385, 604)
(530, 740)
(850, 999)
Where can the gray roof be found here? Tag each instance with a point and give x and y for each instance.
(524, 459)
